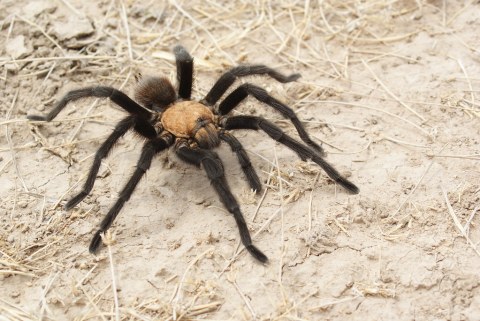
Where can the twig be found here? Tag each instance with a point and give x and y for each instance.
(331, 61)
(92, 302)
(334, 302)
(391, 93)
(247, 303)
(466, 227)
(457, 223)
(212, 38)
(33, 24)
(73, 9)
(376, 109)
(112, 274)
(178, 295)
(127, 29)
(10, 143)
(381, 40)
(261, 199)
(4, 61)
(472, 95)
(46, 289)
(456, 14)
(282, 228)
(473, 157)
(413, 190)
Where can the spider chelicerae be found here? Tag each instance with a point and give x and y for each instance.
(165, 117)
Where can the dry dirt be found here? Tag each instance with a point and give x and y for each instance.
(391, 89)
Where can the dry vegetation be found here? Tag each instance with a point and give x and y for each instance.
(391, 89)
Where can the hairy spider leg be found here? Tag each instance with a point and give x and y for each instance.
(243, 159)
(253, 122)
(239, 94)
(214, 168)
(139, 121)
(115, 95)
(184, 71)
(140, 126)
(149, 150)
(229, 77)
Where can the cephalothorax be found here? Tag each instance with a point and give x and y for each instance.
(165, 118)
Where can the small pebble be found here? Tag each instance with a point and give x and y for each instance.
(75, 28)
(15, 294)
(35, 8)
(22, 204)
(16, 47)
(199, 200)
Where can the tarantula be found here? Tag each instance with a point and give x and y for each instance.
(164, 119)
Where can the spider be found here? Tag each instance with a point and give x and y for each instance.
(165, 117)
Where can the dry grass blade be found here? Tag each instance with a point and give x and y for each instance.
(458, 224)
(391, 93)
(472, 94)
(10, 143)
(12, 312)
(127, 30)
(378, 110)
(414, 189)
(108, 239)
(330, 302)
(4, 61)
(33, 24)
(179, 289)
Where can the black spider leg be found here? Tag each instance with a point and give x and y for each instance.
(228, 78)
(115, 95)
(239, 94)
(214, 168)
(150, 149)
(184, 71)
(253, 122)
(243, 159)
(140, 126)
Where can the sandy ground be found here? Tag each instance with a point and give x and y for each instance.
(391, 89)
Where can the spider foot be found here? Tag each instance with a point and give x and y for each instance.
(256, 253)
(75, 200)
(96, 242)
(291, 78)
(37, 117)
(349, 186)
